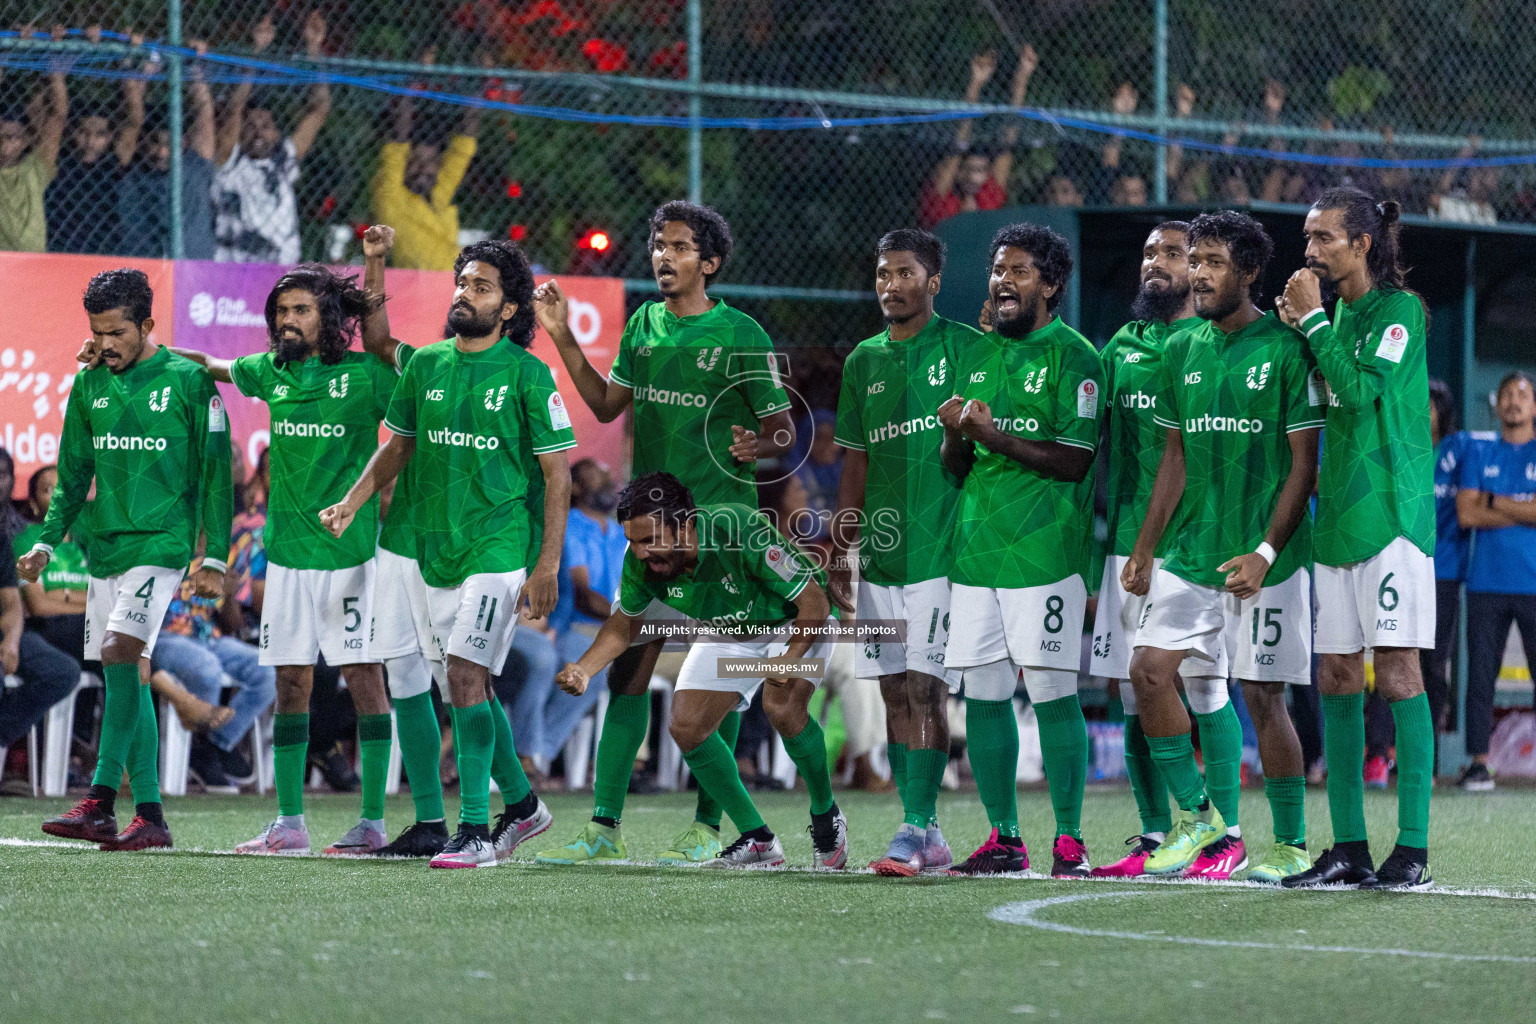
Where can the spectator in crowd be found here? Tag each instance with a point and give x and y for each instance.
(1497, 498)
(967, 179)
(241, 616)
(530, 669)
(590, 567)
(818, 475)
(55, 604)
(82, 200)
(256, 211)
(1466, 194)
(1452, 547)
(47, 674)
(29, 157)
(194, 650)
(143, 198)
(1130, 189)
(1061, 190)
(414, 186)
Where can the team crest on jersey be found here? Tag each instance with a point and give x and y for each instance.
(729, 584)
(1033, 384)
(1258, 376)
(159, 401)
(938, 371)
(338, 386)
(781, 561)
(708, 358)
(559, 416)
(494, 397)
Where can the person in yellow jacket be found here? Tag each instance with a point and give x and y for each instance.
(414, 186)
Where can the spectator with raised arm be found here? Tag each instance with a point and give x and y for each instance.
(29, 157)
(143, 199)
(256, 211)
(82, 201)
(414, 186)
(968, 179)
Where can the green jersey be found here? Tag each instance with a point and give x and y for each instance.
(888, 409)
(1377, 480)
(325, 427)
(481, 420)
(67, 569)
(155, 438)
(397, 534)
(1015, 527)
(745, 581)
(1133, 366)
(694, 377)
(1236, 399)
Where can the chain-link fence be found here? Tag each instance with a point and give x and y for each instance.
(813, 125)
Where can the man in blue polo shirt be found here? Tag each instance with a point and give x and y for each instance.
(1498, 499)
(590, 567)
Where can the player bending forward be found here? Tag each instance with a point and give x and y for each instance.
(729, 568)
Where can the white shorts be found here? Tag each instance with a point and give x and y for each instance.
(476, 619)
(1388, 600)
(1114, 625)
(1034, 627)
(400, 623)
(132, 604)
(924, 607)
(701, 669)
(1266, 639)
(310, 613)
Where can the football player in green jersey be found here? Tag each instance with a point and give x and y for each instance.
(326, 403)
(1022, 431)
(727, 567)
(1242, 410)
(148, 429)
(479, 419)
(897, 501)
(1133, 362)
(1375, 524)
(703, 380)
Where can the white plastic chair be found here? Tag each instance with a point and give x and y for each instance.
(58, 734)
(14, 683)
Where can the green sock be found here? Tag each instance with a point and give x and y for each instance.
(1344, 746)
(707, 810)
(1064, 747)
(1175, 757)
(421, 742)
(373, 742)
(896, 754)
(1146, 781)
(144, 754)
(1221, 740)
(290, 748)
(809, 752)
(1288, 807)
(714, 764)
(1415, 769)
(474, 737)
(624, 729)
(992, 738)
(925, 774)
(506, 769)
(119, 723)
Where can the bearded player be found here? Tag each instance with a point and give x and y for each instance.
(325, 403)
(1133, 362)
(1375, 538)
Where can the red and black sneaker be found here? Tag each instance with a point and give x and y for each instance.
(994, 857)
(86, 820)
(141, 834)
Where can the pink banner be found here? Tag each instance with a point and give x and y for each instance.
(219, 308)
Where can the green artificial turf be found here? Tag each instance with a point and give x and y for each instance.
(193, 936)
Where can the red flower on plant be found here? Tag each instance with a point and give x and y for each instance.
(514, 190)
(605, 56)
(517, 232)
(327, 207)
(360, 231)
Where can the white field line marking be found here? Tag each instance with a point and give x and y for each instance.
(1024, 913)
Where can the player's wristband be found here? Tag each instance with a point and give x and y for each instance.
(1265, 552)
(48, 548)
